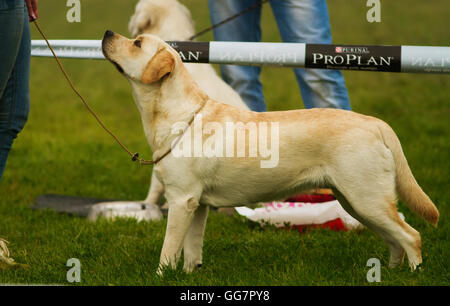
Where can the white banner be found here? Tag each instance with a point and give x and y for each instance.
(422, 59)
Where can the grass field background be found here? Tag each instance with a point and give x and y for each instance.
(62, 150)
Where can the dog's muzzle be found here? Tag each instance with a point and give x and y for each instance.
(108, 34)
(105, 47)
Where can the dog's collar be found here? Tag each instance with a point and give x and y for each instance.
(155, 161)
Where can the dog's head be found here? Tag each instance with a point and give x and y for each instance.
(167, 19)
(146, 59)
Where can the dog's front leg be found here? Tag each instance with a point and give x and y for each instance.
(193, 243)
(179, 220)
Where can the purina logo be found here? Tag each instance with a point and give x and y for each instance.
(352, 50)
(348, 57)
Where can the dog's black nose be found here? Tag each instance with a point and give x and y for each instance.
(108, 33)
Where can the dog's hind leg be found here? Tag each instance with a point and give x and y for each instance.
(155, 192)
(193, 243)
(181, 213)
(367, 191)
(396, 250)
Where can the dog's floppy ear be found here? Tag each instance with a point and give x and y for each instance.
(161, 64)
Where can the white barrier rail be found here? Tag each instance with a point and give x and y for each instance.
(420, 59)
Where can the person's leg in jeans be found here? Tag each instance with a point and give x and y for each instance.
(307, 21)
(14, 73)
(243, 79)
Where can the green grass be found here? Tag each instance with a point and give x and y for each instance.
(62, 150)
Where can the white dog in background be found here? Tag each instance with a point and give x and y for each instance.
(172, 21)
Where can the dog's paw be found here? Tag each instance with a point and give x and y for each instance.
(159, 272)
(191, 267)
(415, 266)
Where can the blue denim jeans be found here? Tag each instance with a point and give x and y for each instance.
(14, 73)
(301, 21)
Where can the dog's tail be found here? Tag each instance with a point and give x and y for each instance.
(407, 187)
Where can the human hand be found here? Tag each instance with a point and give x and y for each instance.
(32, 6)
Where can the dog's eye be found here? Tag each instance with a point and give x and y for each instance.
(137, 43)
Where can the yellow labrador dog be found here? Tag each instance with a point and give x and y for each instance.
(172, 21)
(359, 157)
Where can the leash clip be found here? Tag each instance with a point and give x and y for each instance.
(135, 156)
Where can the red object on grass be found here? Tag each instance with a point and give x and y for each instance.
(334, 225)
(311, 198)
